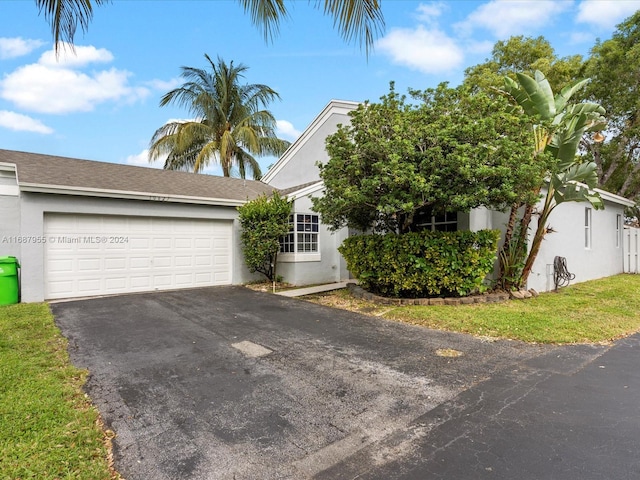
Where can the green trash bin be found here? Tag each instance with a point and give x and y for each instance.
(9, 284)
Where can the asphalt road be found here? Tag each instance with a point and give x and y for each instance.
(228, 383)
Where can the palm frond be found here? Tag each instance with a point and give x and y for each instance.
(65, 16)
(361, 20)
(266, 14)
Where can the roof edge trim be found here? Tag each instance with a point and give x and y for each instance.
(154, 197)
(306, 190)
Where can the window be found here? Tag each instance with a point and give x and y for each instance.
(303, 234)
(587, 227)
(618, 230)
(426, 220)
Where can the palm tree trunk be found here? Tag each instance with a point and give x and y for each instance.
(541, 232)
(508, 235)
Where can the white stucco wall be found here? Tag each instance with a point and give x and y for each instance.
(297, 165)
(305, 269)
(35, 205)
(9, 215)
(602, 259)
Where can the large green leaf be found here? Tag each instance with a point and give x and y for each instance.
(567, 92)
(539, 92)
(520, 96)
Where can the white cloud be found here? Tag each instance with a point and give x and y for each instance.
(505, 18)
(22, 123)
(17, 47)
(287, 130)
(606, 14)
(78, 57)
(58, 88)
(479, 47)
(577, 38)
(142, 160)
(429, 12)
(164, 84)
(429, 51)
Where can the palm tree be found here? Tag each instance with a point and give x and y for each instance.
(230, 125)
(359, 20)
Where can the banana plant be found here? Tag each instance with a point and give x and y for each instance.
(558, 127)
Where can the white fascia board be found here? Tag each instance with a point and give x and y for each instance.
(154, 197)
(612, 197)
(7, 167)
(303, 192)
(334, 106)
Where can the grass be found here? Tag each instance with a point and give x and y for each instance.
(49, 430)
(590, 312)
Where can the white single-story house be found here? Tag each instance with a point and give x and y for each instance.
(590, 240)
(83, 228)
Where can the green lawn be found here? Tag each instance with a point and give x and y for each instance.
(48, 429)
(595, 311)
(589, 312)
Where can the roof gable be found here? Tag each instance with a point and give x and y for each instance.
(342, 107)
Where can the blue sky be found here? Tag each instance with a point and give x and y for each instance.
(102, 102)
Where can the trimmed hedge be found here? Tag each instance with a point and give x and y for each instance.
(420, 264)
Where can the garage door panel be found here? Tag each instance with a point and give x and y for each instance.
(61, 266)
(139, 243)
(115, 283)
(90, 286)
(139, 262)
(141, 282)
(203, 243)
(89, 264)
(115, 264)
(155, 253)
(184, 243)
(204, 278)
(184, 261)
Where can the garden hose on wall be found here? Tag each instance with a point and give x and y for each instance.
(561, 276)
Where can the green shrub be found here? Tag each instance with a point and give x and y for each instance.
(264, 222)
(422, 264)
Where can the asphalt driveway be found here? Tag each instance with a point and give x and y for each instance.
(228, 383)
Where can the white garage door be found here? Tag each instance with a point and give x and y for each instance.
(89, 255)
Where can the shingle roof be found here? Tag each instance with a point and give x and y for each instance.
(287, 191)
(75, 174)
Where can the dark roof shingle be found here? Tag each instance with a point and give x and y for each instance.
(63, 172)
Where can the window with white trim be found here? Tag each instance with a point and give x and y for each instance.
(587, 228)
(426, 220)
(618, 230)
(303, 234)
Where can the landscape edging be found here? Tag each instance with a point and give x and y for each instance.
(362, 294)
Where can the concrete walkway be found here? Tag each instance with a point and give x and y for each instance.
(300, 292)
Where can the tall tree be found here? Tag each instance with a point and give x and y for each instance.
(448, 151)
(231, 123)
(525, 55)
(359, 20)
(613, 67)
